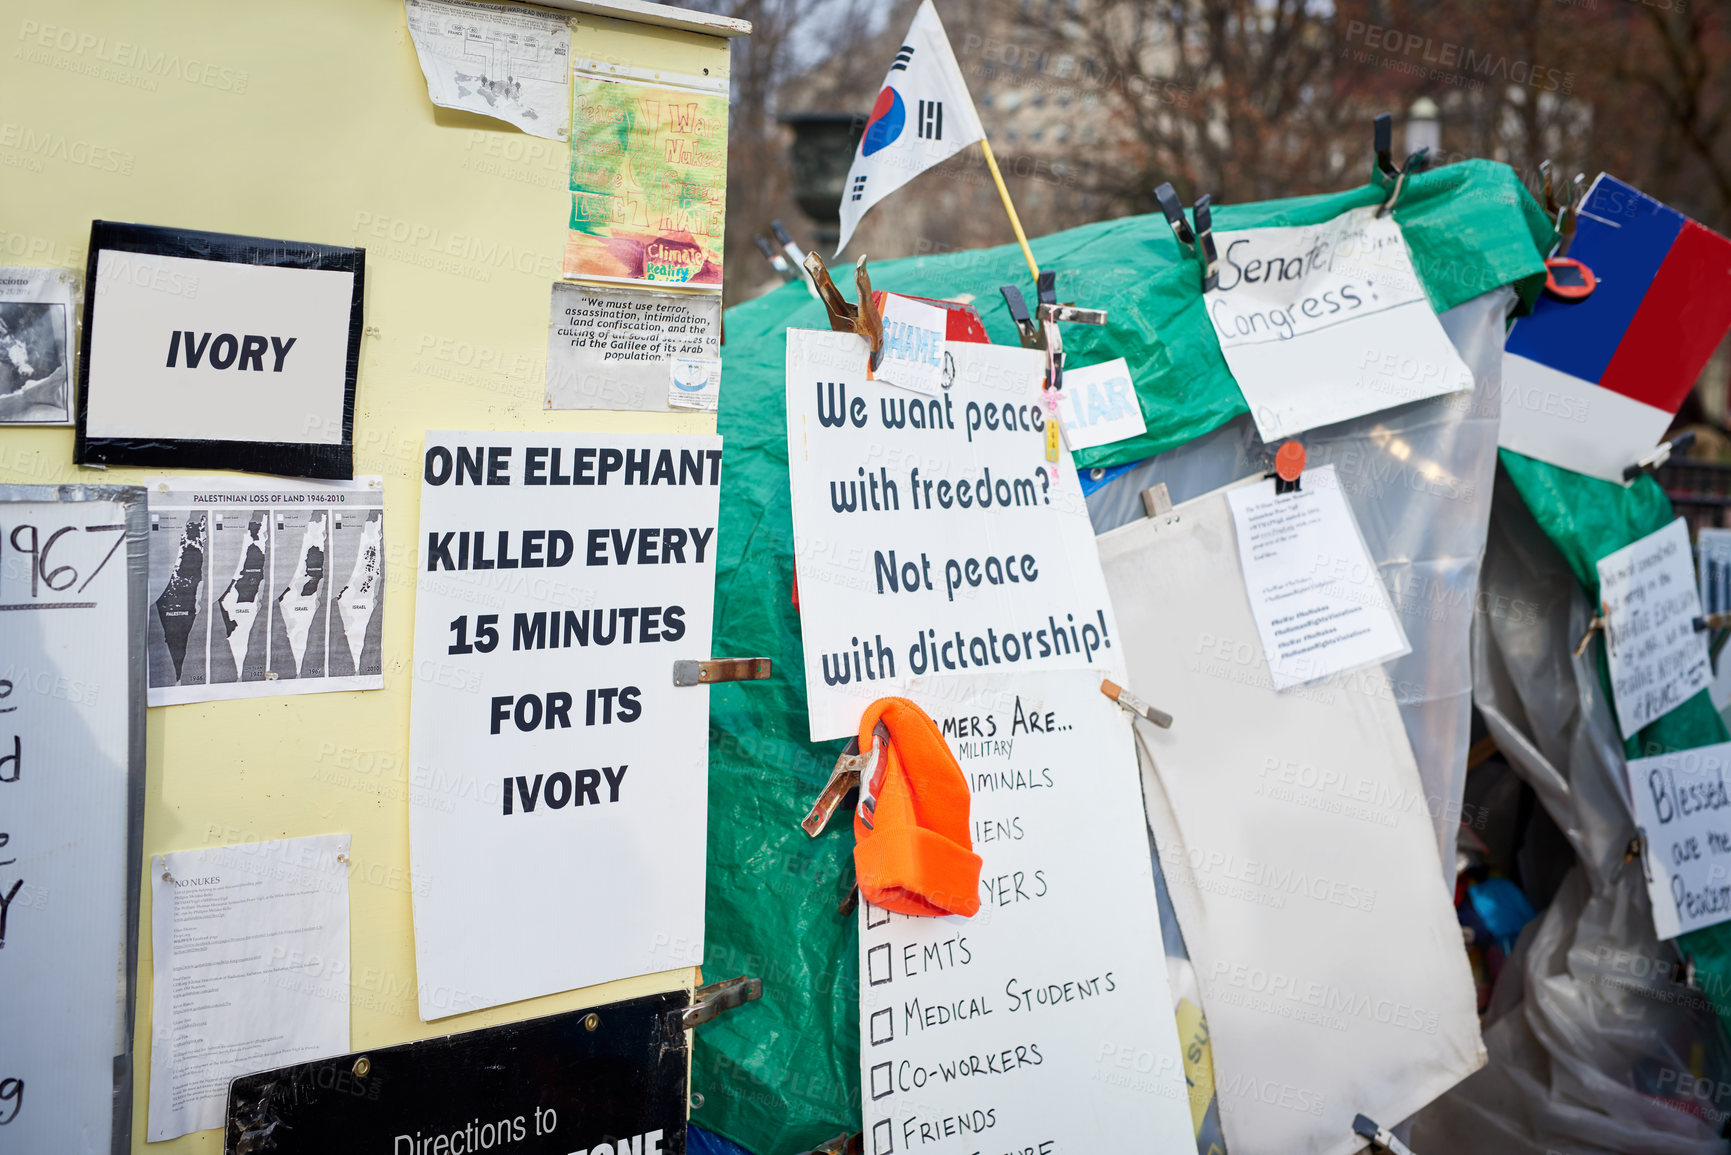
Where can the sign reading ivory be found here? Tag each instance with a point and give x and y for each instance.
(211, 351)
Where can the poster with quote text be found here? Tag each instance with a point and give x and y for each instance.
(931, 535)
(559, 779)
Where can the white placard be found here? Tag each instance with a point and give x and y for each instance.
(1296, 839)
(64, 756)
(1098, 405)
(501, 60)
(264, 589)
(38, 319)
(1683, 814)
(560, 780)
(1319, 323)
(1044, 1022)
(612, 348)
(695, 383)
(184, 349)
(1318, 600)
(931, 535)
(1658, 659)
(913, 344)
(249, 969)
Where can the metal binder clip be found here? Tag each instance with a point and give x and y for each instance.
(776, 259)
(709, 1001)
(1659, 456)
(862, 318)
(690, 673)
(1598, 624)
(1567, 279)
(1193, 240)
(1385, 172)
(1167, 197)
(1135, 705)
(1365, 1128)
(1716, 621)
(1205, 235)
(1026, 330)
(850, 770)
(795, 255)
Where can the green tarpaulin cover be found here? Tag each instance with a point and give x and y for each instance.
(1588, 519)
(782, 1074)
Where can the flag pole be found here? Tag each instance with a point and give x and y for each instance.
(1015, 221)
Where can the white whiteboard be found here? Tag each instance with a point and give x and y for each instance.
(71, 760)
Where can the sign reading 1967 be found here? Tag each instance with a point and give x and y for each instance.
(43, 562)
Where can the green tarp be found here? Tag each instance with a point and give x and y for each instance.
(782, 1074)
(1588, 519)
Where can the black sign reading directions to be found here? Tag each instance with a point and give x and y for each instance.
(608, 1081)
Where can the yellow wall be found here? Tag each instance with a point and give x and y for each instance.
(309, 120)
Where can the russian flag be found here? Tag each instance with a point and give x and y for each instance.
(1593, 386)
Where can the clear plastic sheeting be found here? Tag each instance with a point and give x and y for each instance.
(1596, 1041)
(1419, 480)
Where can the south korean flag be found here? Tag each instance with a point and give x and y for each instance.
(922, 117)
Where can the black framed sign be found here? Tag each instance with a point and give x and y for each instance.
(607, 1081)
(212, 351)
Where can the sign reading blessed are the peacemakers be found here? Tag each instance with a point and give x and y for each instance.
(559, 784)
(1683, 812)
(931, 535)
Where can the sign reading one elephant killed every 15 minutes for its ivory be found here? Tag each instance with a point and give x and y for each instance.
(559, 786)
(931, 535)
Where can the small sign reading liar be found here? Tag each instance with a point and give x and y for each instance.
(1658, 659)
(1098, 405)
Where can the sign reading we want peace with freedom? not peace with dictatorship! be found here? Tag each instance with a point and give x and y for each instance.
(931, 535)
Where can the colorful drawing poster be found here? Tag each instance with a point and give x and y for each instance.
(648, 183)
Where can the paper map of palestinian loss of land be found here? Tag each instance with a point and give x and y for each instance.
(648, 183)
(499, 60)
(264, 590)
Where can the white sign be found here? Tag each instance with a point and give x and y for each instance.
(250, 969)
(1098, 405)
(695, 383)
(560, 779)
(185, 349)
(500, 60)
(258, 590)
(1319, 323)
(931, 535)
(38, 317)
(1044, 1022)
(913, 344)
(1658, 659)
(1296, 840)
(616, 348)
(1683, 813)
(1318, 600)
(65, 639)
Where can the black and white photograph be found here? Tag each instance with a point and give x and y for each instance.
(36, 317)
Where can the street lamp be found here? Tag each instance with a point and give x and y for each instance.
(1424, 128)
(823, 148)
